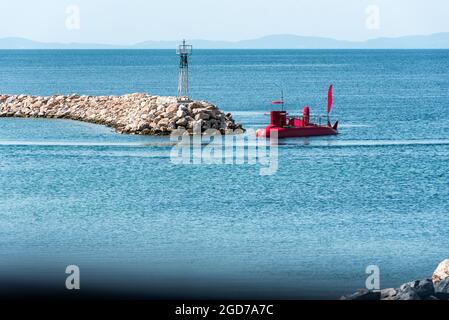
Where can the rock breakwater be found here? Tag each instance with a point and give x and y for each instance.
(132, 114)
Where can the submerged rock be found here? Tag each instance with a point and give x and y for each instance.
(133, 113)
(405, 292)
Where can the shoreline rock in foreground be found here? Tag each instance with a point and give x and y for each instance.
(436, 288)
(132, 114)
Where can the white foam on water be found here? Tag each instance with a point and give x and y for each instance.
(239, 142)
(289, 65)
(132, 154)
(354, 126)
(83, 144)
(249, 113)
(367, 143)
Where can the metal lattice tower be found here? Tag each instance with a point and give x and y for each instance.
(184, 51)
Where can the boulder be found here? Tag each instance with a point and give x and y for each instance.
(143, 126)
(202, 116)
(423, 288)
(407, 293)
(388, 294)
(415, 290)
(183, 108)
(173, 108)
(10, 99)
(181, 113)
(196, 105)
(205, 125)
(163, 122)
(442, 289)
(362, 294)
(182, 122)
(441, 272)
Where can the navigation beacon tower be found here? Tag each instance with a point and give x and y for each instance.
(183, 51)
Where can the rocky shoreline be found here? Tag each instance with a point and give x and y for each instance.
(131, 114)
(435, 288)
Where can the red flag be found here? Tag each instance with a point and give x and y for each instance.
(277, 102)
(329, 100)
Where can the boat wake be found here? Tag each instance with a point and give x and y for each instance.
(242, 142)
(85, 144)
(364, 143)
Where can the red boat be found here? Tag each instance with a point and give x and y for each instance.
(299, 126)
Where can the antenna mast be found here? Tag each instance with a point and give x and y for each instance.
(183, 51)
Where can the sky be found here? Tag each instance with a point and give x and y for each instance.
(132, 21)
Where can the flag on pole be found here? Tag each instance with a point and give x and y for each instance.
(329, 100)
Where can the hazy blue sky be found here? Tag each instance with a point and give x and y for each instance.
(125, 22)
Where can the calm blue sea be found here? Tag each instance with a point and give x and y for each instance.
(377, 194)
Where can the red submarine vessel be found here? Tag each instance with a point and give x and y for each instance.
(288, 126)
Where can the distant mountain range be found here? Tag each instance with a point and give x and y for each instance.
(433, 41)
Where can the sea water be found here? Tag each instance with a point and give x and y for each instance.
(131, 219)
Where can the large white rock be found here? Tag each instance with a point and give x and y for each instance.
(172, 108)
(441, 272)
(181, 113)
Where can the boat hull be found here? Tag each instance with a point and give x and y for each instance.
(294, 132)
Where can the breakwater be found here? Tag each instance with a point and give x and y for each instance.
(132, 113)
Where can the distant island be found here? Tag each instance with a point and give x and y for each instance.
(433, 41)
